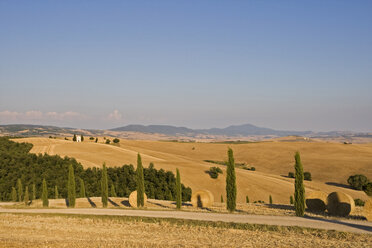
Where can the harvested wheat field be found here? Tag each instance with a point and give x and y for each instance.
(93, 231)
(329, 163)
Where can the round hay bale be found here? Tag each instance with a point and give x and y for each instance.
(368, 209)
(133, 199)
(316, 201)
(340, 204)
(202, 199)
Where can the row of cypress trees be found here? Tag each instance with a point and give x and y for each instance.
(104, 188)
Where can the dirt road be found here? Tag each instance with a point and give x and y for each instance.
(355, 226)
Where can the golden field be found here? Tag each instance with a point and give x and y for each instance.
(19, 230)
(329, 163)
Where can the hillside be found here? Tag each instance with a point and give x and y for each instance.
(329, 163)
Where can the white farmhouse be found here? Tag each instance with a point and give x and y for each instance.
(78, 138)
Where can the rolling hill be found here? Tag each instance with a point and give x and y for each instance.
(330, 163)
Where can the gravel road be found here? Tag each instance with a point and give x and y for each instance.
(355, 226)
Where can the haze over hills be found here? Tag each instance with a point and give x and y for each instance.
(160, 132)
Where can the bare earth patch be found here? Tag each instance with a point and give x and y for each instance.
(59, 231)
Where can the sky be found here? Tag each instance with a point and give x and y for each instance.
(289, 65)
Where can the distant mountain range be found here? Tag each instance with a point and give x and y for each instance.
(237, 131)
(240, 130)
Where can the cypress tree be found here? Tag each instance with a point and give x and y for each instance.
(19, 190)
(221, 199)
(82, 138)
(71, 188)
(270, 200)
(56, 195)
(230, 182)
(33, 195)
(291, 200)
(246, 199)
(26, 198)
(96, 140)
(104, 186)
(113, 192)
(44, 194)
(299, 187)
(178, 190)
(14, 194)
(140, 183)
(74, 138)
(82, 189)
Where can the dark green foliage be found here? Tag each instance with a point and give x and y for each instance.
(108, 141)
(82, 138)
(26, 198)
(66, 138)
(291, 175)
(112, 191)
(33, 193)
(359, 202)
(71, 187)
(96, 140)
(56, 195)
(82, 189)
(104, 186)
(116, 140)
(368, 189)
(74, 138)
(91, 138)
(14, 194)
(44, 194)
(19, 190)
(270, 199)
(307, 176)
(299, 187)
(358, 181)
(178, 190)
(291, 200)
(230, 182)
(140, 183)
(253, 168)
(246, 199)
(16, 162)
(214, 171)
(221, 199)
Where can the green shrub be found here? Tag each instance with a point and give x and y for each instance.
(359, 202)
(116, 140)
(368, 189)
(358, 181)
(291, 175)
(91, 138)
(108, 141)
(307, 176)
(214, 171)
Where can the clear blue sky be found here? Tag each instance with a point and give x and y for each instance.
(294, 65)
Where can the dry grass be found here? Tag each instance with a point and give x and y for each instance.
(329, 163)
(77, 231)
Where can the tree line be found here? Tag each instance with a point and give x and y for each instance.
(16, 163)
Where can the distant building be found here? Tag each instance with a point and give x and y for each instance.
(78, 138)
